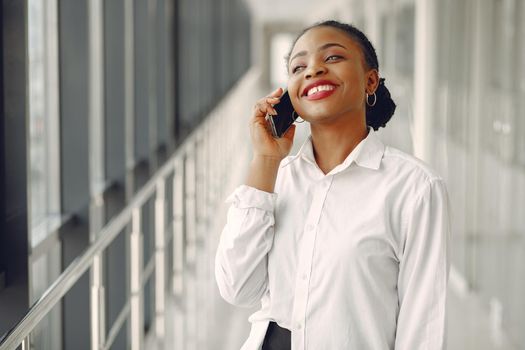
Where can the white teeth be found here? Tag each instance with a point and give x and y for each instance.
(320, 88)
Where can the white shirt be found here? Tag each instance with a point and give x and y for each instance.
(354, 259)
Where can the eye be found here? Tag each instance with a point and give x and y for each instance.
(333, 57)
(296, 68)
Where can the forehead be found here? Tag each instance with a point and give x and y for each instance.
(318, 36)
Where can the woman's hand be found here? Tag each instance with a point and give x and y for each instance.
(267, 150)
(264, 144)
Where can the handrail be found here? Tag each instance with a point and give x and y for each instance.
(52, 296)
(80, 265)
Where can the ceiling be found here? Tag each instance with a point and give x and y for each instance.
(295, 10)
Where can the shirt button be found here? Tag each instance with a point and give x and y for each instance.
(299, 326)
(304, 277)
(309, 227)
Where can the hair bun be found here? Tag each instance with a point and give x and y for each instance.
(378, 115)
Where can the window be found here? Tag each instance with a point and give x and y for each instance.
(404, 39)
(519, 65)
(43, 176)
(453, 69)
(280, 45)
(499, 94)
(44, 159)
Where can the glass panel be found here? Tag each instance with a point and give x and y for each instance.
(43, 119)
(114, 90)
(405, 41)
(142, 59)
(456, 72)
(520, 85)
(37, 112)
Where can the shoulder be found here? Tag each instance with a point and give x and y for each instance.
(409, 166)
(409, 179)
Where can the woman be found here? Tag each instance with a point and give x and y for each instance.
(345, 243)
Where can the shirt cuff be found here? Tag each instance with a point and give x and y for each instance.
(245, 197)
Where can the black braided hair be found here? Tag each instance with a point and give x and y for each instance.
(378, 115)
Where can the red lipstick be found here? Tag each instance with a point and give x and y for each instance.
(319, 94)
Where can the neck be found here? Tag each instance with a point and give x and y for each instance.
(333, 143)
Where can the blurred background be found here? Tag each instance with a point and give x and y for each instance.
(124, 128)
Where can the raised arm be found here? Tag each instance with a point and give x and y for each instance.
(267, 150)
(242, 255)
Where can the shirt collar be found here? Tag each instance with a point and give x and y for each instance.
(368, 153)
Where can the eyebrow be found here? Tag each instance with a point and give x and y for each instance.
(321, 48)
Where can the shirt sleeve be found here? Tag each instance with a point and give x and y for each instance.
(423, 272)
(242, 254)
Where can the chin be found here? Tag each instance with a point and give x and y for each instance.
(318, 119)
(317, 115)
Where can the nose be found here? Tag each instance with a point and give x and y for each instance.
(314, 71)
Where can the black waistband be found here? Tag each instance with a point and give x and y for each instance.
(277, 338)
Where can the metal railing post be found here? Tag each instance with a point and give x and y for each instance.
(223, 162)
(136, 292)
(26, 344)
(96, 166)
(160, 260)
(190, 205)
(178, 227)
(98, 303)
(97, 292)
(201, 261)
(200, 185)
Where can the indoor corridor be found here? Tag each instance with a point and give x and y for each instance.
(125, 128)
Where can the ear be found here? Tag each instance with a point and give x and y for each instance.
(372, 81)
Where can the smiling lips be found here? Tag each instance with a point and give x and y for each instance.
(319, 90)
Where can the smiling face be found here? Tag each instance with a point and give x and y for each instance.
(328, 77)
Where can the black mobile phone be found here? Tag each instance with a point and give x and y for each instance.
(285, 117)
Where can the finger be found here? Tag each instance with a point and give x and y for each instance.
(276, 93)
(269, 100)
(273, 100)
(263, 108)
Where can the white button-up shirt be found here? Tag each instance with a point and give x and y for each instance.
(354, 259)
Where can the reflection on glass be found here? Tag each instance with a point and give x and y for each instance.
(43, 119)
(37, 114)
